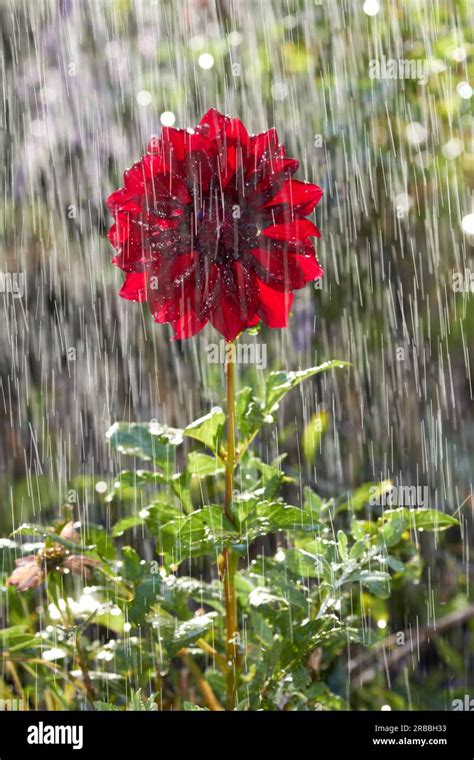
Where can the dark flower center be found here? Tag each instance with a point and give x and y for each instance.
(226, 228)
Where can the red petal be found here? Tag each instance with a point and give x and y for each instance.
(121, 200)
(237, 306)
(226, 321)
(285, 271)
(275, 306)
(134, 286)
(292, 232)
(187, 325)
(174, 141)
(236, 130)
(134, 179)
(297, 194)
(207, 290)
(155, 146)
(258, 144)
(214, 123)
(168, 286)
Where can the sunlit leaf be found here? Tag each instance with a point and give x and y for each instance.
(209, 429)
(146, 440)
(281, 382)
(202, 465)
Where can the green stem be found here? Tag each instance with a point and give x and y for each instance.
(229, 558)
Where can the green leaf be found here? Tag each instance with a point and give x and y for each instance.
(180, 483)
(313, 503)
(138, 478)
(313, 433)
(140, 703)
(106, 707)
(203, 531)
(97, 536)
(190, 631)
(164, 522)
(395, 564)
(308, 635)
(249, 414)
(147, 592)
(342, 545)
(189, 707)
(421, 519)
(125, 524)
(261, 596)
(307, 565)
(209, 429)
(132, 570)
(10, 635)
(18, 637)
(146, 440)
(391, 531)
(155, 516)
(323, 698)
(203, 465)
(281, 382)
(259, 516)
(285, 517)
(177, 591)
(358, 549)
(376, 581)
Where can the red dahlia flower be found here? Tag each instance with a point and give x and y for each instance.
(210, 226)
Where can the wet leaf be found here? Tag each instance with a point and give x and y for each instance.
(209, 429)
(281, 382)
(146, 440)
(202, 465)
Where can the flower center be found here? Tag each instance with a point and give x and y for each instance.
(225, 230)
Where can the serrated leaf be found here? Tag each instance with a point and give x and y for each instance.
(203, 531)
(426, 519)
(138, 478)
(283, 516)
(191, 630)
(209, 429)
(146, 594)
(125, 524)
(164, 522)
(146, 440)
(249, 414)
(281, 382)
(376, 581)
(203, 465)
(307, 565)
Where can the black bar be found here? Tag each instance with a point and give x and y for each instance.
(124, 734)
